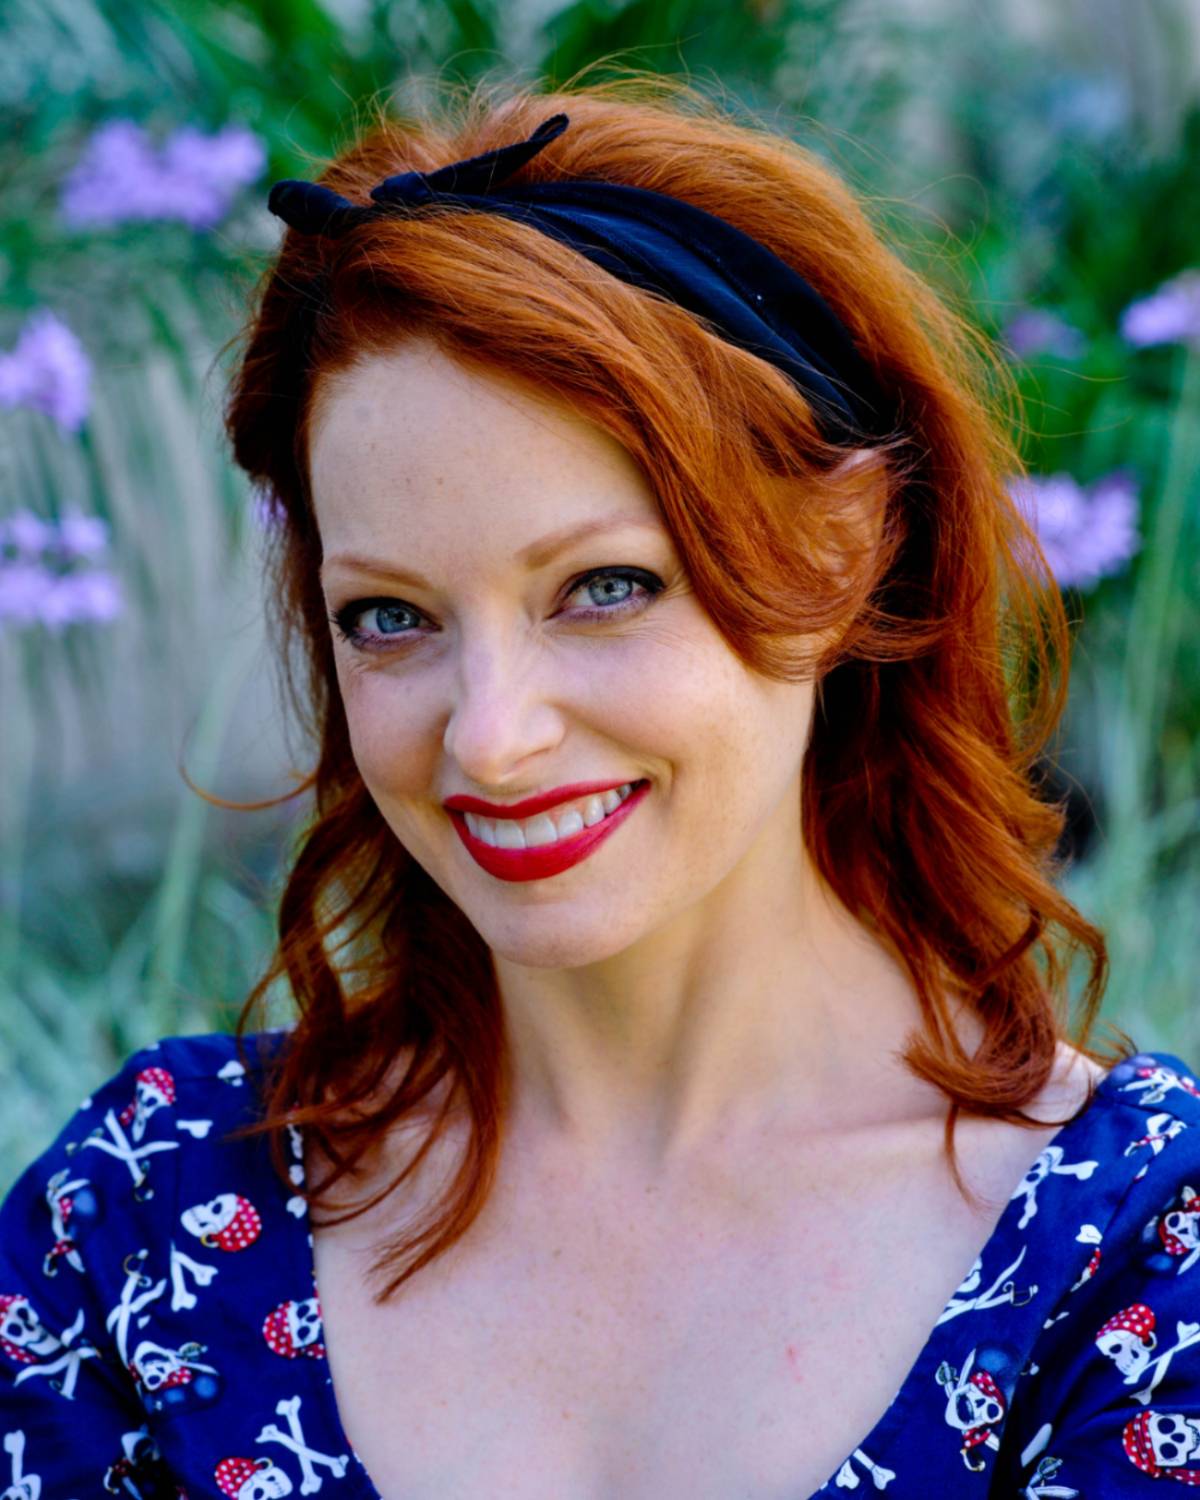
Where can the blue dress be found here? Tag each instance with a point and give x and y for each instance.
(160, 1330)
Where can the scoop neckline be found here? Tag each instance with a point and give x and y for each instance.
(1102, 1093)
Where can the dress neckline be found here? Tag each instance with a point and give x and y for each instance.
(883, 1429)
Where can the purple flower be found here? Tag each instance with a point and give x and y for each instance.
(76, 597)
(1086, 535)
(82, 536)
(47, 577)
(211, 169)
(23, 585)
(192, 177)
(27, 534)
(1038, 331)
(48, 370)
(1171, 315)
(267, 507)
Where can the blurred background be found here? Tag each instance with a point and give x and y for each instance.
(1040, 163)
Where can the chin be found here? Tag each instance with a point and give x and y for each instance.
(545, 938)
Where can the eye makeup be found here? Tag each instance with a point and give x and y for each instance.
(644, 586)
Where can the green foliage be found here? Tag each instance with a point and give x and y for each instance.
(1015, 166)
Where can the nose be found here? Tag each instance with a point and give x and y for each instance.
(502, 714)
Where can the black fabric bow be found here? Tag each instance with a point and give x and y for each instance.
(650, 240)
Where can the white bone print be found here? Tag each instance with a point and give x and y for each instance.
(23, 1486)
(1049, 1163)
(119, 1147)
(1186, 1335)
(294, 1439)
(181, 1298)
(847, 1479)
(69, 1357)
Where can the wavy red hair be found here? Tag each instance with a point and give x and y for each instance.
(920, 787)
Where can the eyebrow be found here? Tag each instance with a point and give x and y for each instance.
(535, 555)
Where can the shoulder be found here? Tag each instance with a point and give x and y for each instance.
(1137, 1126)
(1154, 1101)
(1110, 1398)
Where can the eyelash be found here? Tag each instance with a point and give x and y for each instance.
(359, 640)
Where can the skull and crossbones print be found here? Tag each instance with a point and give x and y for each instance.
(153, 1089)
(1161, 1444)
(1154, 1083)
(975, 1407)
(1049, 1164)
(294, 1328)
(227, 1222)
(156, 1368)
(1130, 1339)
(1179, 1229)
(252, 1479)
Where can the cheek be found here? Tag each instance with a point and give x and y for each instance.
(392, 733)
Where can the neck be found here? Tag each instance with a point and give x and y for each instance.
(766, 1005)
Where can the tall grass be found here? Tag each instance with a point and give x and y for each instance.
(129, 908)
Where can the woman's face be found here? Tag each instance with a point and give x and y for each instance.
(522, 623)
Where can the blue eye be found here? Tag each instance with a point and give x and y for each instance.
(621, 600)
(613, 592)
(389, 615)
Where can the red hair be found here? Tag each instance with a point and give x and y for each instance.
(947, 676)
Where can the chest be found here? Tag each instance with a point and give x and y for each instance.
(580, 1345)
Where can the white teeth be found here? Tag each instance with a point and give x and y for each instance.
(508, 834)
(540, 830)
(535, 832)
(570, 823)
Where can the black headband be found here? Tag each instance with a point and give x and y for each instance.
(651, 240)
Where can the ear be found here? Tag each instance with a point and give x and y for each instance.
(853, 505)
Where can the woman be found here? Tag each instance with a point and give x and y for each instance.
(673, 1059)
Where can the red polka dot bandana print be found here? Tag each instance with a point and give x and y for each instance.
(1139, 1446)
(242, 1230)
(1137, 1319)
(232, 1474)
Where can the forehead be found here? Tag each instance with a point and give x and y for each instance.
(415, 435)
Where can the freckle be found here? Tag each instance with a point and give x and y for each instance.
(794, 1360)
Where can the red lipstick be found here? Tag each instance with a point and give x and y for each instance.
(546, 859)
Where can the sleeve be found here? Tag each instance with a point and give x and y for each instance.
(71, 1423)
(1112, 1395)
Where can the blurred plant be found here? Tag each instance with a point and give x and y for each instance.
(1044, 167)
(1086, 534)
(266, 508)
(49, 573)
(1035, 330)
(1171, 315)
(191, 177)
(47, 370)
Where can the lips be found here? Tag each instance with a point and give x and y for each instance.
(531, 805)
(543, 860)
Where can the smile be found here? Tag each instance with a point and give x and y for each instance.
(550, 842)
